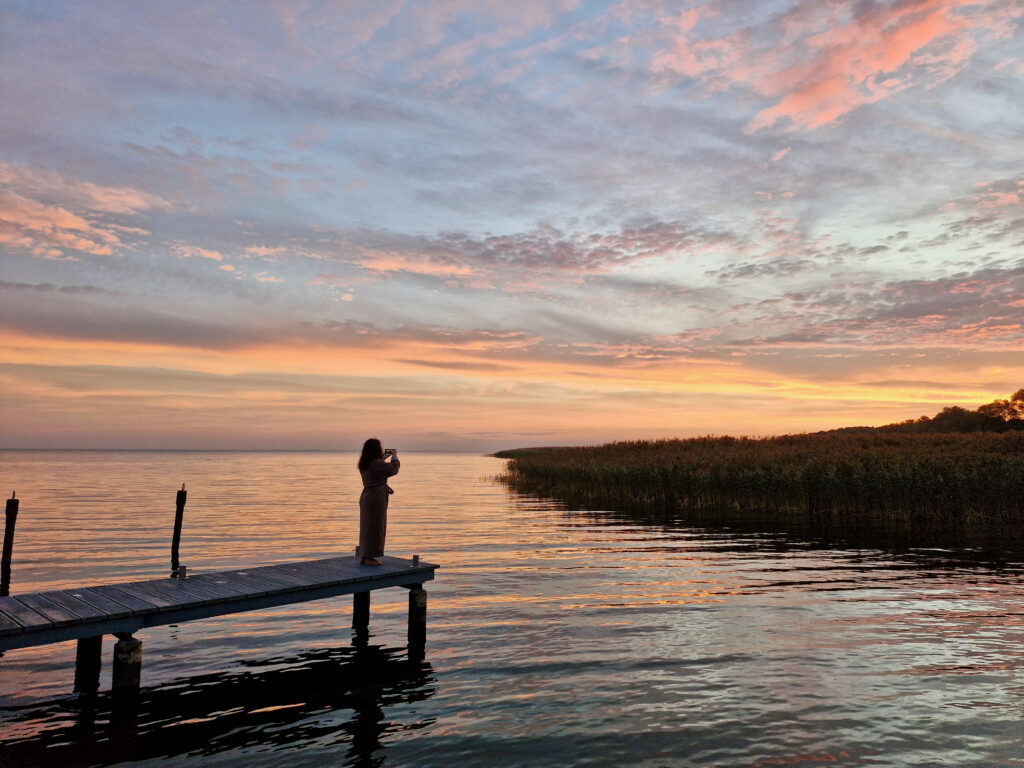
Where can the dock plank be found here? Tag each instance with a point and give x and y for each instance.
(297, 571)
(136, 603)
(263, 581)
(113, 609)
(182, 590)
(74, 606)
(153, 598)
(58, 616)
(279, 574)
(219, 589)
(22, 614)
(176, 598)
(254, 587)
(328, 573)
(8, 626)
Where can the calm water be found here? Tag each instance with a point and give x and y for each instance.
(554, 637)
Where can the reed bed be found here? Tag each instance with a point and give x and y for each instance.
(927, 479)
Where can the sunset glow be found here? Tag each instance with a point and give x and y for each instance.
(468, 225)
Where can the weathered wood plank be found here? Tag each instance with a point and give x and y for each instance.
(349, 563)
(162, 603)
(8, 626)
(157, 589)
(225, 580)
(323, 573)
(218, 589)
(113, 609)
(253, 587)
(136, 603)
(297, 571)
(58, 616)
(184, 591)
(262, 581)
(279, 574)
(74, 606)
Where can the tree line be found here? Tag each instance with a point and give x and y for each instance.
(997, 416)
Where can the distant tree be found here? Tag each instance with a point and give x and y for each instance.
(1007, 410)
(956, 419)
(997, 416)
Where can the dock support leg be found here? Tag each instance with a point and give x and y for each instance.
(127, 671)
(361, 610)
(417, 621)
(87, 664)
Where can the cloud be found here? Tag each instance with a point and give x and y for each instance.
(975, 308)
(49, 215)
(50, 287)
(76, 194)
(455, 365)
(187, 251)
(531, 258)
(818, 60)
(49, 231)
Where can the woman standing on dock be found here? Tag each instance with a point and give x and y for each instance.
(375, 469)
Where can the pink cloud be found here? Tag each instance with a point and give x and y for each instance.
(47, 214)
(838, 55)
(384, 261)
(195, 252)
(80, 195)
(47, 230)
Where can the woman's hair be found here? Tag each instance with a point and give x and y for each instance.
(371, 450)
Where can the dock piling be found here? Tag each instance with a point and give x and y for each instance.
(10, 519)
(417, 621)
(361, 610)
(127, 670)
(87, 664)
(179, 511)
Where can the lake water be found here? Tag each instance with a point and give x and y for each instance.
(554, 637)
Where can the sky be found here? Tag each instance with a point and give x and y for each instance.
(474, 225)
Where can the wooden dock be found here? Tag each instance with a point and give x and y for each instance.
(87, 613)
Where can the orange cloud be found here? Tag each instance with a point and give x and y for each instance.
(47, 230)
(49, 215)
(195, 252)
(386, 261)
(80, 195)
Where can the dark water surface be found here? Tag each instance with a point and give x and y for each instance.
(554, 637)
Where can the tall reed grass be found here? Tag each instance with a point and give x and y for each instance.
(932, 480)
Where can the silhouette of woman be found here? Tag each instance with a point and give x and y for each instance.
(375, 468)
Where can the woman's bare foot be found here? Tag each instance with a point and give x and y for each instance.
(370, 561)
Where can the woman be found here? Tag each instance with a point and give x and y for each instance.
(375, 470)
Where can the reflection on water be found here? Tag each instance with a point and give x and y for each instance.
(329, 697)
(591, 638)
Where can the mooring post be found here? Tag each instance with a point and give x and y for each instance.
(127, 670)
(361, 610)
(87, 664)
(10, 518)
(417, 621)
(179, 511)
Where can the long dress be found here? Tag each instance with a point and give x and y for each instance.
(373, 506)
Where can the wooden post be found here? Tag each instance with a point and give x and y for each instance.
(417, 621)
(179, 511)
(127, 670)
(87, 664)
(361, 610)
(10, 518)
